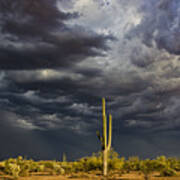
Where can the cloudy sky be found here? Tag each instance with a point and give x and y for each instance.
(58, 58)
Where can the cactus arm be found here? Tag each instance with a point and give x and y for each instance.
(100, 138)
(104, 123)
(110, 132)
(98, 135)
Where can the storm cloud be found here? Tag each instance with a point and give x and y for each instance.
(34, 35)
(59, 59)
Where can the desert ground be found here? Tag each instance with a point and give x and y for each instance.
(92, 176)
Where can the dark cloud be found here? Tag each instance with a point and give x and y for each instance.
(35, 36)
(160, 25)
(55, 70)
(32, 15)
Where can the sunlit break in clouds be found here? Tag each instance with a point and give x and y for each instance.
(59, 58)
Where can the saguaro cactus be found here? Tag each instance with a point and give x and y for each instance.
(106, 146)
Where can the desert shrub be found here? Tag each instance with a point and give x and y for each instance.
(168, 172)
(132, 164)
(60, 170)
(12, 169)
(78, 166)
(33, 166)
(160, 163)
(40, 168)
(48, 164)
(90, 163)
(54, 166)
(176, 166)
(2, 167)
(147, 167)
(112, 154)
(24, 169)
(19, 167)
(68, 167)
(116, 163)
(93, 163)
(174, 163)
(25, 166)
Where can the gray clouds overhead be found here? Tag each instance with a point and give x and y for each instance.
(34, 35)
(59, 59)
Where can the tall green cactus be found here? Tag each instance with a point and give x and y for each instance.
(106, 146)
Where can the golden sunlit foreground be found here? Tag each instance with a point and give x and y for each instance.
(91, 167)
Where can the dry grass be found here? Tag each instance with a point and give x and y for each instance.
(95, 175)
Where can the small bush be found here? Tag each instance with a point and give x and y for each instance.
(68, 167)
(12, 169)
(116, 164)
(40, 168)
(168, 172)
(132, 164)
